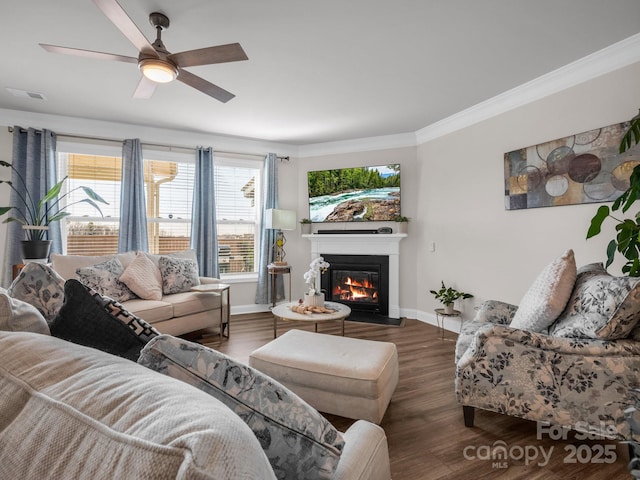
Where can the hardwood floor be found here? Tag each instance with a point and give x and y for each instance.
(424, 425)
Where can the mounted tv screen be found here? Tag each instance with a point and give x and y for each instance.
(361, 194)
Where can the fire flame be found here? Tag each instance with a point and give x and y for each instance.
(355, 290)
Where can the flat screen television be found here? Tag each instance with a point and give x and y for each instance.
(357, 194)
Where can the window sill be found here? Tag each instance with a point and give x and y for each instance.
(239, 277)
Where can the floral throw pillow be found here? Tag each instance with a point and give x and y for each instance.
(178, 274)
(39, 285)
(104, 278)
(298, 441)
(601, 306)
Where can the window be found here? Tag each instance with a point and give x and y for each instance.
(169, 189)
(169, 194)
(88, 233)
(236, 215)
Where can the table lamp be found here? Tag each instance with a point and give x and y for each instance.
(280, 220)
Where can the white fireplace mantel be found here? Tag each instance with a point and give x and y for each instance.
(365, 244)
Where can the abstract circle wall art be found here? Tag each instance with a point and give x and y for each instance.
(581, 168)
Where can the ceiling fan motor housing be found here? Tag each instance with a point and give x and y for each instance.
(157, 67)
(159, 20)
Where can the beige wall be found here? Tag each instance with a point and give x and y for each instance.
(480, 247)
(453, 190)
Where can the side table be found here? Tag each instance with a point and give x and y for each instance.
(225, 303)
(275, 270)
(441, 315)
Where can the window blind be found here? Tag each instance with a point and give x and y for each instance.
(169, 194)
(87, 232)
(235, 188)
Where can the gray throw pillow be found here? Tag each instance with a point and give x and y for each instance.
(178, 274)
(104, 278)
(19, 316)
(601, 306)
(39, 285)
(298, 441)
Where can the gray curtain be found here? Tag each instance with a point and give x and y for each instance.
(204, 239)
(34, 156)
(268, 236)
(133, 207)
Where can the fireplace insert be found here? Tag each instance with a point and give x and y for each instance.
(359, 281)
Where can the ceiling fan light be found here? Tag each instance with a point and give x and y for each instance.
(158, 70)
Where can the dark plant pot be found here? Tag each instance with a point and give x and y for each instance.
(35, 249)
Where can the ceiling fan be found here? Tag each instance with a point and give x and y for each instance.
(154, 61)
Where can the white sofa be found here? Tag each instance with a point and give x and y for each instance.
(69, 411)
(174, 314)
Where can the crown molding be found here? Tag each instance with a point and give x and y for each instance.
(609, 59)
(384, 142)
(115, 130)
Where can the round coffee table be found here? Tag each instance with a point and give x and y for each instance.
(283, 312)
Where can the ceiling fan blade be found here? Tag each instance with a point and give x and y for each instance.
(204, 86)
(232, 52)
(122, 21)
(145, 88)
(88, 53)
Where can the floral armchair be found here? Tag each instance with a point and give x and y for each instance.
(582, 383)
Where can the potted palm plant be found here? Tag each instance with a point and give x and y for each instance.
(627, 240)
(448, 295)
(36, 215)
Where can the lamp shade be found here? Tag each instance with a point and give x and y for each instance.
(280, 219)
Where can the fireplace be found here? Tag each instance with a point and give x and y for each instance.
(354, 245)
(359, 281)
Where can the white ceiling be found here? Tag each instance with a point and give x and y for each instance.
(317, 71)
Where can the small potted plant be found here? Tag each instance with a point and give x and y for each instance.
(305, 226)
(448, 295)
(403, 223)
(36, 215)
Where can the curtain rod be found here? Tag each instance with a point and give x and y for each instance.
(105, 139)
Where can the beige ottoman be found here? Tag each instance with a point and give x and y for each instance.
(343, 376)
